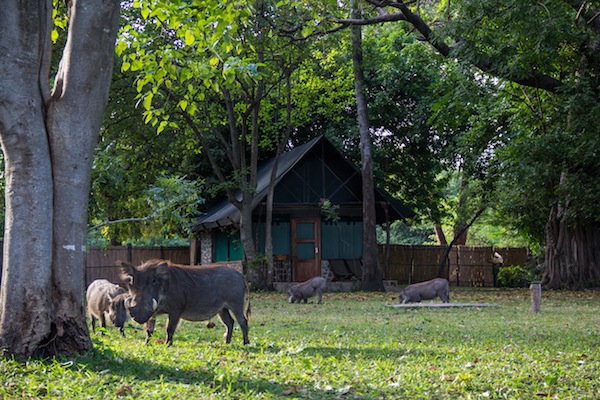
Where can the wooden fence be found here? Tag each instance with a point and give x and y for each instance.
(101, 261)
(468, 265)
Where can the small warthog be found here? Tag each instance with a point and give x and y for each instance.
(104, 298)
(186, 292)
(426, 291)
(308, 289)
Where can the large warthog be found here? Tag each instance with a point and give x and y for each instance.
(308, 289)
(104, 298)
(426, 291)
(186, 292)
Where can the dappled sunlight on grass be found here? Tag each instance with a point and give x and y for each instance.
(353, 346)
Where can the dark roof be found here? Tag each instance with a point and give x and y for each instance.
(224, 213)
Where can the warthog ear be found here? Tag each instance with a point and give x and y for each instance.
(162, 272)
(127, 272)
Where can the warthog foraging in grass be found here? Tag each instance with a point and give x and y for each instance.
(186, 292)
(104, 298)
(426, 291)
(308, 289)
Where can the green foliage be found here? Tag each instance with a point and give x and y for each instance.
(330, 211)
(535, 147)
(332, 351)
(514, 276)
(519, 275)
(401, 233)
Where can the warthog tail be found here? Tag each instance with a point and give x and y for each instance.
(248, 311)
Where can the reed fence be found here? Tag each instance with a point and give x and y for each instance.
(467, 265)
(101, 261)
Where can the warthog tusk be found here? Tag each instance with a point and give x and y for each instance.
(154, 304)
(127, 301)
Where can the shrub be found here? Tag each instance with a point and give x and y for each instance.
(514, 276)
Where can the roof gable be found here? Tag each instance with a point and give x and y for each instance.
(305, 175)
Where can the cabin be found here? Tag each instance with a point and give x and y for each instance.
(317, 224)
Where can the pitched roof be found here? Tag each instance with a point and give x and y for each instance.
(223, 213)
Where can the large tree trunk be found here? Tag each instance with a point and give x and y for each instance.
(371, 270)
(81, 89)
(48, 142)
(25, 310)
(572, 253)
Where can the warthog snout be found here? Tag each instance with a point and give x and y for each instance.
(141, 313)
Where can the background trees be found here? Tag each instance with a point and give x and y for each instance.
(540, 122)
(509, 121)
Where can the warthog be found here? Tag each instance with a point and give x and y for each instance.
(308, 289)
(106, 298)
(426, 291)
(186, 292)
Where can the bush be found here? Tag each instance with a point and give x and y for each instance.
(514, 276)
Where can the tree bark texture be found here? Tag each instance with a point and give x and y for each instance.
(439, 234)
(49, 141)
(572, 258)
(371, 270)
(25, 311)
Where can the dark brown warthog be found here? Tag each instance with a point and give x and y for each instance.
(104, 298)
(426, 291)
(308, 289)
(192, 293)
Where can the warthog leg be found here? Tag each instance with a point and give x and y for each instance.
(243, 322)
(171, 326)
(227, 320)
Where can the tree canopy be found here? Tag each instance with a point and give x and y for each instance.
(506, 93)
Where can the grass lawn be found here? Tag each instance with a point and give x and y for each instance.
(351, 347)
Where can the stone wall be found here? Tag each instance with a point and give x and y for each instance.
(206, 248)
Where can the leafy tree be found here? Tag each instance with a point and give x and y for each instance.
(210, 69)
(48, 137)
(541, 86)
(130, 159)
(372, 274)
(541, 133)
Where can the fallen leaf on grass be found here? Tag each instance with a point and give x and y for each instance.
(446, 378)
(345, 390)
(124, 391)
(290, 390)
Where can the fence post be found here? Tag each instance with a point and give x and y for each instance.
(129, 251)
(412, 264)
(536, 296)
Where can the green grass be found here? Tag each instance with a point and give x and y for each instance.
(351, 347)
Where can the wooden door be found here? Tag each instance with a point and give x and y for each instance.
(306, 251)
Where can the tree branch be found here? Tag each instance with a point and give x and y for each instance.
(536, 80)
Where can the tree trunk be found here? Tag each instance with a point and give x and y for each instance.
(572, 253)
(48, 142)
(280, 148)
(371, 270)
(461, 226)
(25, 310)
(444, 269)
(439, 234)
